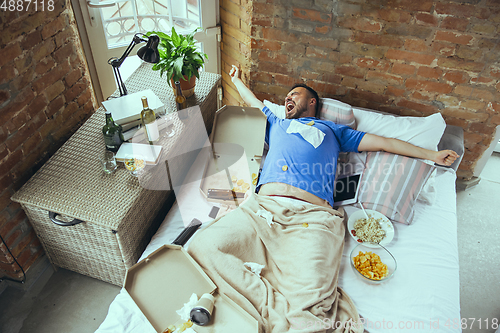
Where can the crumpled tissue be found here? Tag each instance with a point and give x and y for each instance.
(310, 133)
(185, 311)
(266, 215)
(254, 267)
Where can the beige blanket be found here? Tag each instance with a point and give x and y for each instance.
(301, 248)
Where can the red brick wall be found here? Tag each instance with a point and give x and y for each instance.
(45, 95)
(235, 19)
(402, 56)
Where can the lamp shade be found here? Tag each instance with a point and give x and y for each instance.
(149, 52)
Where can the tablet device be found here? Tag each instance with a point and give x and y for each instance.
(346, 189)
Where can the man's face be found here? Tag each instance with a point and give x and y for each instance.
(296, 103)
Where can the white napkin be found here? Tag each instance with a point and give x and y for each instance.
(254, 267)
(266, 215)
(185, 311)
(310, 133)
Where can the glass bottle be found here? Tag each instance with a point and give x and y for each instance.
(113, 134)
(148, 119)
(180, 99)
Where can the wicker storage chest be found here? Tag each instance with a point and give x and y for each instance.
(117, 216)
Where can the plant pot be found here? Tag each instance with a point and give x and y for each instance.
(187, 87)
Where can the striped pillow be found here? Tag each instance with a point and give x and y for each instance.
(391, 184)
(336, 111)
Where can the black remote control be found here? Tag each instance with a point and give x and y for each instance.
(187, 232)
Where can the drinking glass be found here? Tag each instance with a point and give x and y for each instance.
(169, 125)
(108, 162)
(135, 166)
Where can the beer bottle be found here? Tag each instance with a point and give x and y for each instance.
(180, 99)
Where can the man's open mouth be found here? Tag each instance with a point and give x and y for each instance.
(289, 106)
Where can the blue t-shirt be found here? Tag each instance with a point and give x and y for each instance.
(293, 160)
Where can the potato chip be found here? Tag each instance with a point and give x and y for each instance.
(234, 179)
(240, 182)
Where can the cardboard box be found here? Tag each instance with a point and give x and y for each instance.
(161, 283)
(237, 139)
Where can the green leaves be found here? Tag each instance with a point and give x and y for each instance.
(176, 40)
(179, 55)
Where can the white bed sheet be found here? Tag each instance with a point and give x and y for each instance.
(423, 296)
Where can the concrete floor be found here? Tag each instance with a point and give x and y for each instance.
(67, 302)
(478, 231)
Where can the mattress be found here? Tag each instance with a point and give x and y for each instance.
(422, 296)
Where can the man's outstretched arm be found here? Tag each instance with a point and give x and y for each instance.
(246, 94)
(371, 142)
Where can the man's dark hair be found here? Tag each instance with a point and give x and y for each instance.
(311, 91)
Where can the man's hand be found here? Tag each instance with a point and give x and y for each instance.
(243, 90)
(445, 157)
(234, 73)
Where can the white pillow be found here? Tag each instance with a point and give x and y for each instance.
(278, 110)
(425, 132)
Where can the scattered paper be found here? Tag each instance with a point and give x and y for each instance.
(266, 215)
(185, 311)
(311, 134)
(146, 152)
(254, 267)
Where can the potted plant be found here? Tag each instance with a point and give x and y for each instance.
(180, 59)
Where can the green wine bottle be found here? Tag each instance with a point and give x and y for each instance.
(148, 119)
(113, 134)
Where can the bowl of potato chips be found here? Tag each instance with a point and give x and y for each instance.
(373, 263)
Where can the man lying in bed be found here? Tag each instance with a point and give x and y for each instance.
(290, 226)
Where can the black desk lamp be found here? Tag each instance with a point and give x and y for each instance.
(148, 53)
